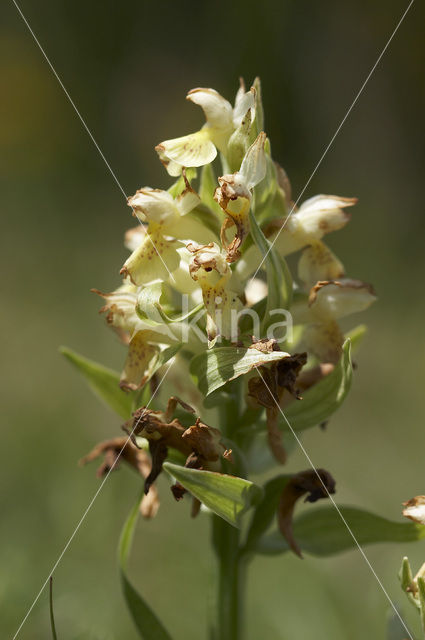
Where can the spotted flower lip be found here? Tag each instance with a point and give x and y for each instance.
(200, 148)
(156, 257)
(211, 270)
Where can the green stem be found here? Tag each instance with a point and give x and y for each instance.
(230, 564)
(229, 582)
(52, 617)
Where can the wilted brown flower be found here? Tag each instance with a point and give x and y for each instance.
(317, 483)
(122, 448)
(268, 389)
(414, 509)
(200, 444)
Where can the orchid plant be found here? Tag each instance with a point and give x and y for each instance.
(231, 355)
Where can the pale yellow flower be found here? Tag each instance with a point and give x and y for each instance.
(234, 195)
(200, 148)
(329, 301)
(211, 271)
(168, 228)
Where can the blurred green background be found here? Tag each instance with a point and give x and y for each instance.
(128, 65)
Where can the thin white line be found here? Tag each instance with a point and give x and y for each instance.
(333, 137)
(88, 508)
(336, 507)
(87, 129)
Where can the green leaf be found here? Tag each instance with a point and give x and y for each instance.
(324, 398)
(279, 279)
(103, 382)
(265, 511)
(322, 531)
(215, 367)
(227, 496)
(147, 623)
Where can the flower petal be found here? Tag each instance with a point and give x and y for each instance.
(134, 237)
(140, 361)
(253, 167)
(323, 214)
(340, 298)
(193, 150)
(318, 262)
(414, 509)
(187, 200)
(154, 259)
(218, 111)
(324, 340)
(152, 205)
(243, 103)
(120, 308)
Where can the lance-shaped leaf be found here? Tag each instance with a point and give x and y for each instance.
(103, 382)
(265, 511)
(322, 532)
(227, 496)
(279, 279)
(324, 398)
(147, 623)
(215, 367)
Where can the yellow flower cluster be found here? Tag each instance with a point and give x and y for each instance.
(193, 255)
